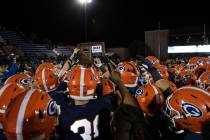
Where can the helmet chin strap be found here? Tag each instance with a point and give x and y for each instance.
(177, 131)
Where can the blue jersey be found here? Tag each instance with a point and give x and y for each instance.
(12, 71)
(58, 94)
(83, 122)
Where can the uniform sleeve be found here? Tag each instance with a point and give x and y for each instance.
(62, 86)
(107, 102)
(59, 97)
(58, 94)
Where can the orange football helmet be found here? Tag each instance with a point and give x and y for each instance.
(135, 63)
(178, 69)
(186, 78)
(47, 77)
(163, 71)
(196, 62)
(149, 98)
(7, 94)
(108, 87)
(154, 60)
(187, 108)
(45, 65)
(68, 74)
(129, 74)
(82, 84)
(23, 79)
(32, 115)
(204, 80)
(208, 65)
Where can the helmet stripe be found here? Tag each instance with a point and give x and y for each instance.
(4, 88)
(21, 113)
(7, 80)
(82, 81)
(44, 81)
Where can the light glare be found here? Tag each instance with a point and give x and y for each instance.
(189, 49)
(84, 1)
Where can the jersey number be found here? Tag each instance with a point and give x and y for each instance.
(84, 123)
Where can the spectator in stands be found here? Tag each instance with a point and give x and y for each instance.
(7, 68)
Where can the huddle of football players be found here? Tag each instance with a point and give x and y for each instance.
(133, 100)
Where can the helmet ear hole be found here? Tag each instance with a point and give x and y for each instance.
(146, 94)
(188, 124)
(41, 115)
(42, 97)
(194, 96)
(207, 108)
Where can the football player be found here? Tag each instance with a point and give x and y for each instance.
(187, 109)
(82, 118)
(27, 114)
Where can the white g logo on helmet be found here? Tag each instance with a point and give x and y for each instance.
(25, 81)
(191, 110)
(121, 68)
(51, 109)
(139, 91)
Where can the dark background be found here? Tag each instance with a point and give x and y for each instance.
(117, 22)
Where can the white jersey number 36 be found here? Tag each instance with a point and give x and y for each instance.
(87, 128)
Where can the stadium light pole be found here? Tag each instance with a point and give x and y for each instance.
(84, 3)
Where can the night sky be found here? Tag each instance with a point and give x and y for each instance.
(117, 22)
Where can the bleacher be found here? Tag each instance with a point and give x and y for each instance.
(13, 38)
(2, 41)
(28, 49)
(64, 50)
(1, 51)
(37, 50)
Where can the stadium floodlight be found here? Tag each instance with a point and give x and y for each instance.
(85, 1)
